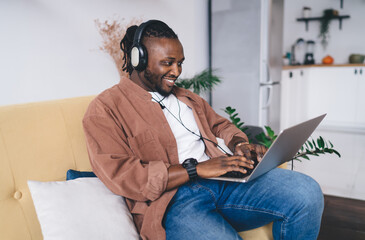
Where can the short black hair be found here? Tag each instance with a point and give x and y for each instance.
(156, 29)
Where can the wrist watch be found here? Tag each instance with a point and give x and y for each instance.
(190, 166)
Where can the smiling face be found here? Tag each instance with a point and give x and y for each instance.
(165, 58)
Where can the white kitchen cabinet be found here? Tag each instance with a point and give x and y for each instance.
(333, 90)
(360, 104)
(293, 94)
(339, 92)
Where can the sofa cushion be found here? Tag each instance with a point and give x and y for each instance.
(81, 209)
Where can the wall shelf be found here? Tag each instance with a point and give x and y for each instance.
(290, 67)
(307, 20)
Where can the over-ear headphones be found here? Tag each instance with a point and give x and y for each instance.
(139, 54)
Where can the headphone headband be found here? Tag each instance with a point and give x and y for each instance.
(138, 52)
(139, 32)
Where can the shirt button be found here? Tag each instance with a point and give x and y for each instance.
(18, 195)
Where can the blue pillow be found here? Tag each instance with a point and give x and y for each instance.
(73, 174)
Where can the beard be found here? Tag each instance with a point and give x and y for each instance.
(155, 81)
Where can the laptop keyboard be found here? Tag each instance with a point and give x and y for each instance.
(236, 174)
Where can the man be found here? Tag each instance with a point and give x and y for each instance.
(155, 144)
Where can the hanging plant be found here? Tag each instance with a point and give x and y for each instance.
(328, 15)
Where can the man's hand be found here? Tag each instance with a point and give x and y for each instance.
(245, 149)
(218, 166)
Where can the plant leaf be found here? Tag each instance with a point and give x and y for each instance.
(321, 142)
(270, 132)
(337, 153)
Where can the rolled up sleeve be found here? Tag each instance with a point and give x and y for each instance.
(157, 180)
(116, 165)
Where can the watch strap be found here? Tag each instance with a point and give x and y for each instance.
(190, 166)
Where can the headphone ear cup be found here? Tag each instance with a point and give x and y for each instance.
(139, 57)
(135, 57)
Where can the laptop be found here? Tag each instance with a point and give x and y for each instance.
(283, 149)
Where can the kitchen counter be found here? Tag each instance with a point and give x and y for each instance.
(324, 65)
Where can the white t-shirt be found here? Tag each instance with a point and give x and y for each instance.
(178, 114)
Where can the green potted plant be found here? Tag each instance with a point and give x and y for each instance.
(310, 148)
(201, 82)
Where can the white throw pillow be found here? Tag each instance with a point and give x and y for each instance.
(81, 209)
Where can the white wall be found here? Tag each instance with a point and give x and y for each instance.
(342, 43)
(50, 48)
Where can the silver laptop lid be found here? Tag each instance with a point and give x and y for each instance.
(286, 145)
(283, 149)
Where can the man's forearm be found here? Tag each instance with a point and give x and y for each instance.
(177, 176)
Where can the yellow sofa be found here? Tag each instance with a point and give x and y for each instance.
(41, 141)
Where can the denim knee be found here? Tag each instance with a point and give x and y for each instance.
(310, 196)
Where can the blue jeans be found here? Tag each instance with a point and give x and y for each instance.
(210, 209)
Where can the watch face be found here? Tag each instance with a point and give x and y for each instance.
(189, 161)
(190, 166)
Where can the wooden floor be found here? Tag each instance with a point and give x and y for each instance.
(343, 219)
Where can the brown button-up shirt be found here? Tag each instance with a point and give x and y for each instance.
(131, 147)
